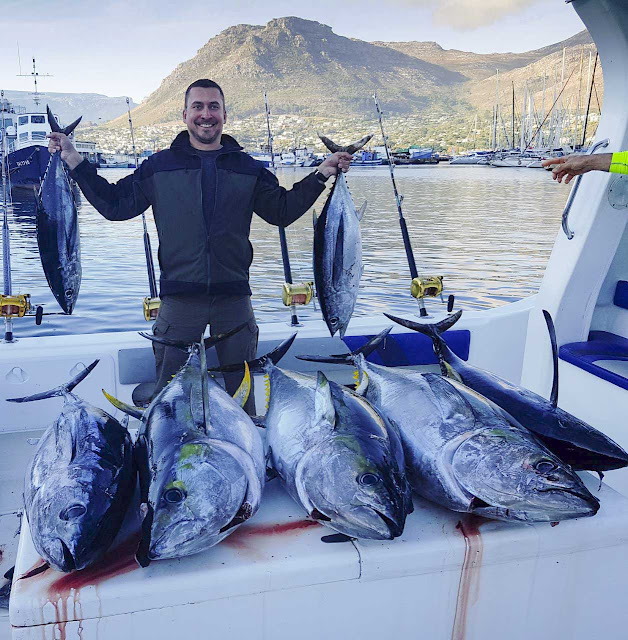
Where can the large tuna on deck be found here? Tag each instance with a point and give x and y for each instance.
(338, 250)
(335, 454)
(201, 462)
(57, 228)
(80, 482)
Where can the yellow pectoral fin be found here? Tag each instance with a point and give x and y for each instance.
(242, 394)
(451, 373)
(135, 412)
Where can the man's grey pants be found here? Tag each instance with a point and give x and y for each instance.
(184, 318)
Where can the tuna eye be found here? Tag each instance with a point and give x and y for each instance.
(69, 293)
(173, 496)
(333, 321)
(368, 479)
(544, 466)
(72, 512)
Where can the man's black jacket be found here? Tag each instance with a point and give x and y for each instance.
(193, 258)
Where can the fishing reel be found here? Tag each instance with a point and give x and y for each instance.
(18, 306)
(151, 309)
(427, 287)
(300, 293)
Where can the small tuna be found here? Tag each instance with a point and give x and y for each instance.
(336, 455)
(464, 455)
(571, 439)
(201, 461)
(80, 482)
(338, 249)
(57, 228)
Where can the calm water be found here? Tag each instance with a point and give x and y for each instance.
(488, 231)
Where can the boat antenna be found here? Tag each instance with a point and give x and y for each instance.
(421, 287)
(292, 294)
(11, 306)
(34, 74)
(151, 303)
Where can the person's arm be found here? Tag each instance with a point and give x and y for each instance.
(120, 201)
(577, 164)
(282, 207)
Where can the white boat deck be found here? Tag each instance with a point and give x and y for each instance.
(450, 575)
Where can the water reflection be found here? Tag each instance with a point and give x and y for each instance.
(488, 231)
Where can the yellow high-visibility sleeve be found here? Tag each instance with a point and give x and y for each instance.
(619, 162)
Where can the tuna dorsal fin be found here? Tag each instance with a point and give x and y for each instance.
(350, 148)
(552, 335)
(360, 213)
(60, 390)
(242, 394)
(323, 402)
(54, 125)
(134, 412)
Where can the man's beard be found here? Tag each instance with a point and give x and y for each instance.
(203, 140)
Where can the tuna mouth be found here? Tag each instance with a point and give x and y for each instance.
(394, 527)
(68, 559)
(585, 496)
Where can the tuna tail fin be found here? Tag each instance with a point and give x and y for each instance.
(60, 390)
(244, 390)
(258, 365)
(351, 148)
(54, 125)
(347, 358)
(134, 412)
(434, 332)
(185, 346)
(552, 335)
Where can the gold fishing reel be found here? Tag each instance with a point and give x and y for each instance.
(151, 308)
(15, 306)
(300, 293)
(426, 287)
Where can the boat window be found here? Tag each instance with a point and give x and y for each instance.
(24, 136)
(23, 120)
(8, 122)
(39, 135)
(38, 119)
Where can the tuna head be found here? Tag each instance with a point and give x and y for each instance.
(515, 478)
(196, 502)
(70, 522)
(352, 480)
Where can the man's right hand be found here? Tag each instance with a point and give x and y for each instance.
(575, 165)
(59, 142)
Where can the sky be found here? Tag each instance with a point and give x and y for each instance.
(127, 47)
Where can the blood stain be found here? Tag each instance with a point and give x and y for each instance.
(468, 588)
(238, 538)
(116, 562)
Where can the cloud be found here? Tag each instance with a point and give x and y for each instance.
(466, 15)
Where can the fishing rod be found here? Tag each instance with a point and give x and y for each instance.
(291, 294)
(421, 287)
(18, 305)
(151, 304)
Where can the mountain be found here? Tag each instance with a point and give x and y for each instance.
(307, 69)
(69, 106)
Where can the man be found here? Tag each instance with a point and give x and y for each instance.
(575, 165)
(203, 191)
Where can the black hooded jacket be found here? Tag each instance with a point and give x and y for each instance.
(193, 258)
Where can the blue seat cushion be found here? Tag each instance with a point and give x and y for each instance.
(601, 345)
(621, 294)
(408, 349)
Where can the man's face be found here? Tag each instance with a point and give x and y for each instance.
(205, 116)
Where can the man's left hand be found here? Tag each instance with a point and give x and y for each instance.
(339, 160)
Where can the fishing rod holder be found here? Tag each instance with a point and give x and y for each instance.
(300, 293)
(426, 287)
(151, 308)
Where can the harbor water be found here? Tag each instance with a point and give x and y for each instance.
(488, 231)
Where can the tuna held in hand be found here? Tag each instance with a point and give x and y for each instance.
(57, 229)
(80, 482)
(338, 250)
